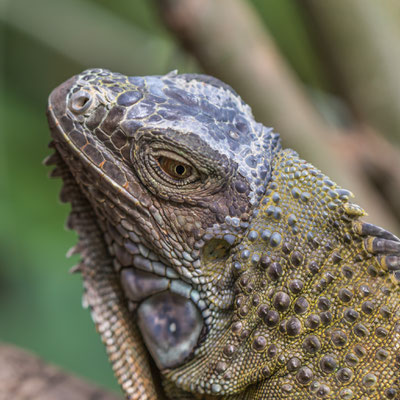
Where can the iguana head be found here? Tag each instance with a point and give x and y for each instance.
(229, 251)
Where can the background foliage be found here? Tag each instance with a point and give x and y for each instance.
(44, 42)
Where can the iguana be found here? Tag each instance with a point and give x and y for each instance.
(215, 263)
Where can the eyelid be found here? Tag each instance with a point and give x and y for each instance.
(172, 156)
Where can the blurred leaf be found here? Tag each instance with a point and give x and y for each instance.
(90, 35)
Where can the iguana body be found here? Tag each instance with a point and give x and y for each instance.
(242, 269)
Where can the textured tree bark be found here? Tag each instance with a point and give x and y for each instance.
(230, 42)
(24, 376)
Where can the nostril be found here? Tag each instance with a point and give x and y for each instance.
(80, 102)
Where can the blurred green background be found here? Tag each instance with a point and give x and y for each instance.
(44, 42)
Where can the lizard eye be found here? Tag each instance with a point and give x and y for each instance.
(174, 168)
(171, 168)
(166, 169)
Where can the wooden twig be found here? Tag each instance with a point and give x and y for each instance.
(24, 376)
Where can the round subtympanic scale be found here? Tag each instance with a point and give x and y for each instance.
(170, 326)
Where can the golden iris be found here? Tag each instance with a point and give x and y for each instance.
(175, 169)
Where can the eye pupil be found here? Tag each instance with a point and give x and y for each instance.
(174, 168)
(180, 169)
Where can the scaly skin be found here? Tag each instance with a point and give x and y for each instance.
(259, 274)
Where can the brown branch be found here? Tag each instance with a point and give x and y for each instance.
(24, 376)
(358, 40)
(230, 42)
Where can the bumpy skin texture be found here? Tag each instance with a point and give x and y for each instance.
(199, 234)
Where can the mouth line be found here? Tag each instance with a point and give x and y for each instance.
(176, 283)
(66, 141)
(139, 261)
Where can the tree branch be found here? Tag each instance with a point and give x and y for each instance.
(23, 376)
(359, 43)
